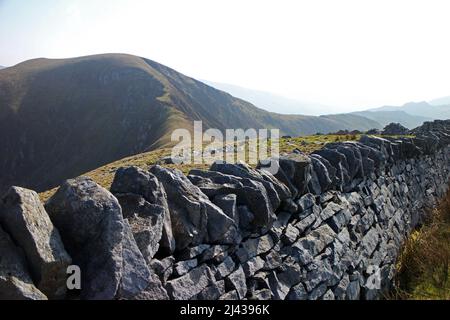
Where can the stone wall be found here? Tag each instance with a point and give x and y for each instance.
(327, 226)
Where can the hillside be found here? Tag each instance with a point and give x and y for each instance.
(60, 118)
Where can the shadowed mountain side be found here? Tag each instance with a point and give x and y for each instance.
(60, 118)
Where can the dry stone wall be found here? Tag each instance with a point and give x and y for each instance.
(327, 226)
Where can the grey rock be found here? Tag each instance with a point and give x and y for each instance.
(260, 295)
(300, 254)
(272, 260)
(228, 203)
(329, 295)
(213, 292)
(252, 266)
(318, 239)
(225, 268)
(195, 219)
(236, 280)
(135, 274)
(25, 219)
(306, 202)
(290, 235)
(163, 268)
(370, 242)
(183, 267)
(249, 193)
(297, 292)
(318, 292)
(330, 210)
(231, 295)
(276, 191)
(146, 221)
(190, 284)
(305, 223)
(154, 290)
(353, 290)
(256, 246)
(217, 253)
(322, 174)
(133, 180)
(99, 240)
(340, 291)
(192, 252)
(15, 281)
(282, 283)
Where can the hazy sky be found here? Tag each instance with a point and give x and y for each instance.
(351, 53)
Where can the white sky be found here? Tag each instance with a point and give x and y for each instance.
(348, 53)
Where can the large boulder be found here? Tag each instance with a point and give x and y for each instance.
(144, 204)
(276, 190)
(15, 281)
(325, 172)
(100, 241)
(24, 217)
(297, 169)
(339, 162)
(249, 193)
(195, 219)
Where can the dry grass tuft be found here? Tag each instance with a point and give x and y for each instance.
(423, 268)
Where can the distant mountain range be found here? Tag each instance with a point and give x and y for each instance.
(61, 118)
(410, 115)
(2, 67)
(402, 117)
(421, 109)
(272, 102)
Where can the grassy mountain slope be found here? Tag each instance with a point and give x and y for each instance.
(60, 118)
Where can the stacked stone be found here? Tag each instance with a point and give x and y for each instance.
(325, 226)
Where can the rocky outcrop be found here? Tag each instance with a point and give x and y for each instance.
(195, 219)
(99, 240)
(144, 203)
(395, 129)
(24, 217)
(327, 226)
(15, 280)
